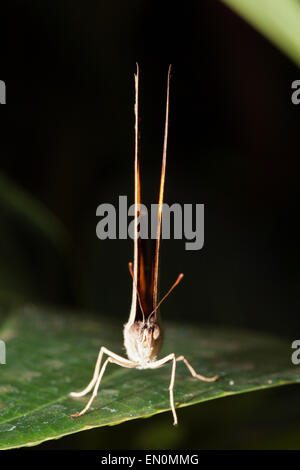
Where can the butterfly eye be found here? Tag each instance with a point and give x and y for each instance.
(156, 332)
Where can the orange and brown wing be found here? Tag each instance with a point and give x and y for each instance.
(139, 257)
(146, 280)
(155, 264)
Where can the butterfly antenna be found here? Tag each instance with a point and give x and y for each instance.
(136, 288)
(169, 292)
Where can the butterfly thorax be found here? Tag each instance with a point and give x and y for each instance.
(142, 341)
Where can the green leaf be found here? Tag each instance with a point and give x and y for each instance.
(278, 20)
(50, 354)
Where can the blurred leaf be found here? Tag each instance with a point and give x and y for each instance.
(19, 202)
(35, 259)
(278, 20)
(50, 354)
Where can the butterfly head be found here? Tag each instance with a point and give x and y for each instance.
(147, 332)
(142, 340)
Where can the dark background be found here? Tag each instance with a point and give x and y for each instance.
(67, 138)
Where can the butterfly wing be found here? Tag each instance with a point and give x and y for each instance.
(139, 261)
(155, 264)
(145, 279)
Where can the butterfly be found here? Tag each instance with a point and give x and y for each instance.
(143, 335)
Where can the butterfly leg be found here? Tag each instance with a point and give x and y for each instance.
(93, 381)
(112, 358)
(172, 358)
(162, 362)
(102, 351)
(194, 373)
